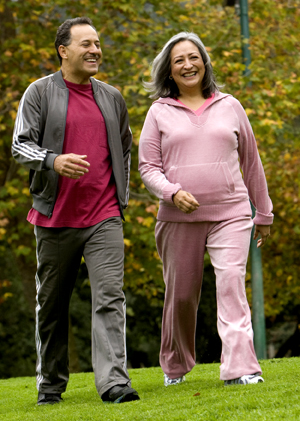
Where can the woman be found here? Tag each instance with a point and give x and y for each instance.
(193, 146)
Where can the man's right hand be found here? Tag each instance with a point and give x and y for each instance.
(71, 165)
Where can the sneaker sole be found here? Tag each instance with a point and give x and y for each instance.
(129, 397)
(49, 403)
(242, 384)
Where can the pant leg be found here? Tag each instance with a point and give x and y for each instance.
(58, 260)
(104, 257)
(181, 247)
(228, 246)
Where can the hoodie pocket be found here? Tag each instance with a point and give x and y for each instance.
(208, 183)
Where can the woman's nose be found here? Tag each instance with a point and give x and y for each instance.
(188, 64)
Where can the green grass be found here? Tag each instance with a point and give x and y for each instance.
(202, 397)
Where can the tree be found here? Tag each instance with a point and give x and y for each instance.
(132, 33)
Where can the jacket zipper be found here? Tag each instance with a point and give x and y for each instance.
(57, 175)
(111, 149)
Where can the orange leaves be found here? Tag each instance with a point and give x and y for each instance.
(146, 222)
(249, 111)
(4, 295)
(287, 157)
(152, 209)
(4, 221)
(269, 122)
(2, 234)
(131, 35)
(127, 242)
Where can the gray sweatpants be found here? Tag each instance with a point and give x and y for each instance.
(59, 253)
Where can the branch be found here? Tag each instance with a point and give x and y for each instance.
(142, 197)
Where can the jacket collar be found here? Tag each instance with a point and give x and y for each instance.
(59, 80)
(95, 85)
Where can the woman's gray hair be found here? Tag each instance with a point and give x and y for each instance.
(162, 86)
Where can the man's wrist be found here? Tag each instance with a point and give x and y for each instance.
(49, 160)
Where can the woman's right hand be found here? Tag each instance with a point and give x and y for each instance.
(185, 201)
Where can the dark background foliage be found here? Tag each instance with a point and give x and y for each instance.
(131, 35)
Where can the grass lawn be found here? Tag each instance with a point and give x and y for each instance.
(202, 397)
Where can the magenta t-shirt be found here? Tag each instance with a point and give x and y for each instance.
(93, 197)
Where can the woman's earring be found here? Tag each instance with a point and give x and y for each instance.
(170, 77)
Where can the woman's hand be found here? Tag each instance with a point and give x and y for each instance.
(185, 201)
(264, 231)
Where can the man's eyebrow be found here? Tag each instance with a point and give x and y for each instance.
(89, 40)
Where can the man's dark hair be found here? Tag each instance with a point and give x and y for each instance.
(63, 34)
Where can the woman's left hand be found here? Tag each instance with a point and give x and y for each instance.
(264, 231)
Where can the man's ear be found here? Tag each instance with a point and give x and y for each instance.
(62, 51)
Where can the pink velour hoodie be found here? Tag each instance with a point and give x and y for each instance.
(203, 155)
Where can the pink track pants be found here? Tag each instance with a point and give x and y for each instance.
(181, 247)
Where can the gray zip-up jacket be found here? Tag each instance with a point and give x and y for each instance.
(39, 136)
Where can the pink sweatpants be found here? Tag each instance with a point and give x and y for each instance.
(181, 247)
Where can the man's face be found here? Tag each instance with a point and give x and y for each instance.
(81, 59)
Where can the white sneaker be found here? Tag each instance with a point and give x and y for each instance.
(171, 382)
(246, 379)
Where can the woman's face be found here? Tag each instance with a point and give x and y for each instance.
(187, 67)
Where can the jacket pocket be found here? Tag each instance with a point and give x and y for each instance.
(208, 183)
(43, 185)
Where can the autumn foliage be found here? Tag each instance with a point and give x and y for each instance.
(131, 35)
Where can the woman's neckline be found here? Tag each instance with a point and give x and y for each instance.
(201, 108)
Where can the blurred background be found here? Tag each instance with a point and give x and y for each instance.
(132, 33)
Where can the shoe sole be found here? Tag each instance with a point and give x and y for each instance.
(173, 384)
(49, 403)
(242, 384)
(127, 397)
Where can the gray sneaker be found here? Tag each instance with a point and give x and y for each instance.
(246, 379)
(172, 382)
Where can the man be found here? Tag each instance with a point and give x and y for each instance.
(72, 132)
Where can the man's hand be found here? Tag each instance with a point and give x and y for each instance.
(264, 231)
(71, 165)
(185, 201)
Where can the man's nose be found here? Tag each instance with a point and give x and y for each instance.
(95, 50)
